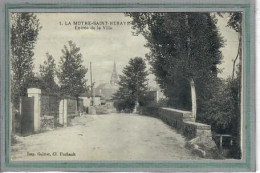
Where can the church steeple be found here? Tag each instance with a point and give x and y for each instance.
(114, 76)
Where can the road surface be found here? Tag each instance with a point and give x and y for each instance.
(105, 137)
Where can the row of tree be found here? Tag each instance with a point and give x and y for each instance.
(185, 48)
(71, 73)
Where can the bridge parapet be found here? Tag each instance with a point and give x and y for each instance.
(173, 117)
(198, 134)
(194, 129)
(180, 120)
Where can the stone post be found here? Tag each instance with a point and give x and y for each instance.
(157, 96)
(63, 114)
(36, 94)
(61, 109)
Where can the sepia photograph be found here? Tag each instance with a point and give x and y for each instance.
(136, 86)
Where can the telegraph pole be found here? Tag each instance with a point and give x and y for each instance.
(92, 109)
(91, 85)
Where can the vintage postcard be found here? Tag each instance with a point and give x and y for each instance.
(128, 87)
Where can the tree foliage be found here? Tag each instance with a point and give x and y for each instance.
(234, 85)
(24, 29)
(132, 85)
(48, 72)
(187, 45)
(183, 46)
(223, 113)
(235, 22)
(71, 72)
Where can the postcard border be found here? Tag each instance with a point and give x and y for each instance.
(247, 90)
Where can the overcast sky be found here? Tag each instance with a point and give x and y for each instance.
(102, 47)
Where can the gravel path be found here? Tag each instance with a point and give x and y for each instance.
(105, 137)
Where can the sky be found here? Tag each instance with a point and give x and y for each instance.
(104, 46)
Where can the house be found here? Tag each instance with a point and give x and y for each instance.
(86, 97)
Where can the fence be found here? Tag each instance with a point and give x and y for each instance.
(48, 111)
(69, 107)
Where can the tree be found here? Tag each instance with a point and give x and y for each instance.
(24, 30)
(34, 80)
(184, 49)
(71, 72)
(132, 85)
(234, 22)
(47, 72)
(234, 84)
(223, 114)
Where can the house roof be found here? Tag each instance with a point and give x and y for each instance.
(106, 90)
(87, 94)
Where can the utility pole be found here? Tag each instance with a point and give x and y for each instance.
(92, 102)
(91, 85)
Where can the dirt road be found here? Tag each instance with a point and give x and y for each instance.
(105, 137)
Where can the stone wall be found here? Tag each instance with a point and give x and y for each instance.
(173, 117)
(194, 129)
(198, 135)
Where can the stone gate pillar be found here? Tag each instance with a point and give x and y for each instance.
(36, 93)
(63, 112)
(65, 115)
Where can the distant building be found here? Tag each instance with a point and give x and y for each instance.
(86, 97)
(106, 90)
